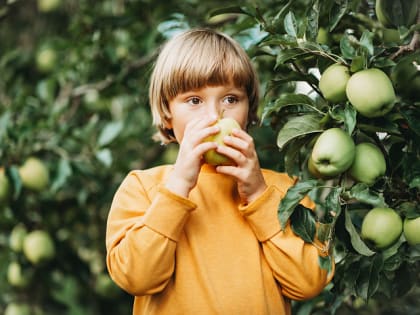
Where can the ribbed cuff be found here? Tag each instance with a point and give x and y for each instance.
(262, 214)
(168, 213)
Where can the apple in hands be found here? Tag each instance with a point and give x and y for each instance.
(212, 157)
(333, 152)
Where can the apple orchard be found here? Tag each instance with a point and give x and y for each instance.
(340, 111)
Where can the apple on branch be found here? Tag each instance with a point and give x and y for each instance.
(371, 92)
(411, 229)
(333, 83)
(368, 165)
(381, 227)
(333, 152)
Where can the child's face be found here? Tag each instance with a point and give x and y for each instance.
(208, 101)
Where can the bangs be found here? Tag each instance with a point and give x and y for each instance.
(209, 62)
(193, 60)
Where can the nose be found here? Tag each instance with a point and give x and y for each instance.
(213, 108)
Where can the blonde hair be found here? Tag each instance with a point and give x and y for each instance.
(192, 60)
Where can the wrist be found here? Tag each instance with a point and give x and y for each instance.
(178, 186)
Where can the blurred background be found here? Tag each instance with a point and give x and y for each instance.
(75, 119)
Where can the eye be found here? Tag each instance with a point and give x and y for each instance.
(194, 100)
(230, 99)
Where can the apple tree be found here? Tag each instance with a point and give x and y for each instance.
(74, 119)
(343, 100)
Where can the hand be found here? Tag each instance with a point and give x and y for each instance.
(240, 148)
(188, 163)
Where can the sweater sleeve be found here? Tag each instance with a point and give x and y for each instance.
(141, 236)
(295, 264)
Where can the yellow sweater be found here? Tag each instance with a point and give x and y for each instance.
(207, 255)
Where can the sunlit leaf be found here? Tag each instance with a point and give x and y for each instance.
(363, 193)
(63, 172)
(110, 132)
(297, 127)
(290, 24)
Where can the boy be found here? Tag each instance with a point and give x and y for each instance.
(191, 238)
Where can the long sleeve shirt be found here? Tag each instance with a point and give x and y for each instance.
(208, 254)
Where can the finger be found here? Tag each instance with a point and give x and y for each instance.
(234, 154)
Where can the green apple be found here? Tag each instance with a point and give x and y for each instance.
(388, 16)
(38, 247)
(34, 174)
(382, 227)
(405, 76)
(314, 171)
(46, 59)
(226, 126)
(333, 152)
(48, 5)
(323, 36)
(370, 91)
(17, 236)
(411, 230)
(15, 308)
(4, 186)
(391, 36)
(369, 163)
(382, 15)
(333, 83)
(15, 275)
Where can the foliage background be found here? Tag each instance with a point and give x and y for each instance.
(85, 115)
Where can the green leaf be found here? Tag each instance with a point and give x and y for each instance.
(324, 231)
(288, 54)
(110, 132)
(358, 63)
(367, 282)
(64, 171)
(362, 193)
(297, 127)
(399, 12)
(313, 18)
(332, 201)
(289, 99)
(413, 119)
(5, 121)
(355, 239)
(290, 24)
(13, 174)
(303, 223)
(346, 47)
(104, 156)
(346, 114)
(231, 9)
(337, 13)
(366, 42)
(292, 198)
(325, 262)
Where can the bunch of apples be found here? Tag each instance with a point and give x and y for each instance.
(371, 92)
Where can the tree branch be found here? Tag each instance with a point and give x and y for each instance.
(412, 46)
